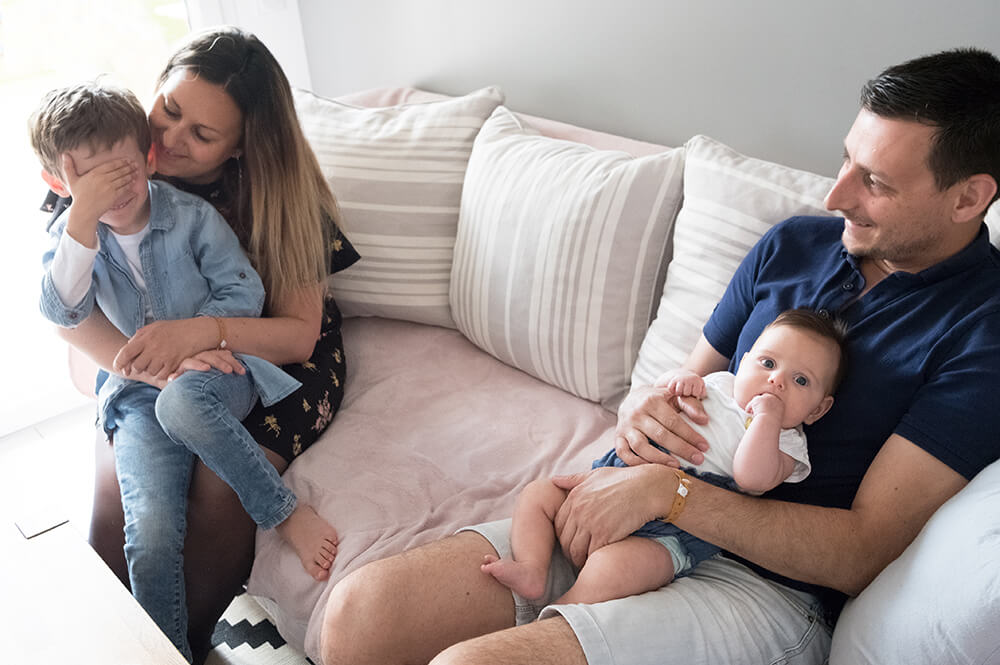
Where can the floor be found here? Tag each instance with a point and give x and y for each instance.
(47, 469)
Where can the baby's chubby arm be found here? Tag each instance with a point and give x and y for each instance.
(759, 465)
(682, 383)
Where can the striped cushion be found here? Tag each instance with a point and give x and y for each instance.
(560, 250)
(729, 202)
(397, 173)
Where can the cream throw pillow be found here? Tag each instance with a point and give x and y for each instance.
(939, 602)
(560, 252)
(730, 200)
(397, 173)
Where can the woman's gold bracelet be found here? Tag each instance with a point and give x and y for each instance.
(222, 333)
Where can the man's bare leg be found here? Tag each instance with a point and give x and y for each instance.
(409, 607)
(547, 642)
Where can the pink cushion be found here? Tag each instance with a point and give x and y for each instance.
(433, 435)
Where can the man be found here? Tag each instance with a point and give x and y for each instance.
(911, 271)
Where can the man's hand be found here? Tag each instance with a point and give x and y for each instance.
(606, 504)
(653, 413)
(94, 193)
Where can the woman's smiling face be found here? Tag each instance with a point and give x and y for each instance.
(196, 128)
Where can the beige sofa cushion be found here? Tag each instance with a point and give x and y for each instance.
(397, 173)
(730, 200)
(433, 435)
(560, 250)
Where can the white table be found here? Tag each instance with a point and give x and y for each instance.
(59, 603)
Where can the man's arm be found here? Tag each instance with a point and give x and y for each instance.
(840, 549)
(832, 547)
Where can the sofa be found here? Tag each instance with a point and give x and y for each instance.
(518, 276)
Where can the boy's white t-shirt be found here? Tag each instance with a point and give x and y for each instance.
(130, 246)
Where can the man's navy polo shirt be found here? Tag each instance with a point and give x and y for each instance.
(924, 351)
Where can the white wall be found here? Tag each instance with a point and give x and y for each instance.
(276, 22)
(778, 79)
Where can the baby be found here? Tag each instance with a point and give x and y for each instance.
(787, 379)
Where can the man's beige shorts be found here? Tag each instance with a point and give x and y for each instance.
(721, 613)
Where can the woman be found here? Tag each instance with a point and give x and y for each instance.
(224, 127)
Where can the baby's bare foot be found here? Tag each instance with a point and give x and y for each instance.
(522, 578)
(312, 538)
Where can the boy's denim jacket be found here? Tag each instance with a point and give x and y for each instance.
(193, 266)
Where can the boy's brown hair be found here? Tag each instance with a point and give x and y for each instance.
(93, 113)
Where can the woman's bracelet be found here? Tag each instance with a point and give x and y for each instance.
(222, 333)
(680, 498)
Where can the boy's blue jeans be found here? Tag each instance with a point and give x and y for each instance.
(157, 436)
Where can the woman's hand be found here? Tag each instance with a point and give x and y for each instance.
(652, 412)
(219, 359)
(607, 504)
(159, 348)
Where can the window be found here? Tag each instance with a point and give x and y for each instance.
(43, 46)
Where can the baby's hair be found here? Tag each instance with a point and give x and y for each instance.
(824, 325)
(95, 113)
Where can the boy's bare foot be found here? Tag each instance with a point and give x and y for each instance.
(521, 578)
(313, 539)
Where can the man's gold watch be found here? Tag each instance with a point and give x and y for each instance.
(680, 498)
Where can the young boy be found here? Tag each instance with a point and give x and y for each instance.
(143, 251)
(787, 379)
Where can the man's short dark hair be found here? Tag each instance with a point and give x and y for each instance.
(958, 93)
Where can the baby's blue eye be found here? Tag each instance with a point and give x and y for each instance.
(767, 363)
(802, 381)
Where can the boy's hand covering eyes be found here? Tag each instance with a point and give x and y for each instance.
(100, 188)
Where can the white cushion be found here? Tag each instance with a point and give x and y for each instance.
(560, 250)
(993, 222)
(939, 602)
(730, 200)
(397, 173)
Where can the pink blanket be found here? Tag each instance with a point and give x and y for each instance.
(434, 434)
